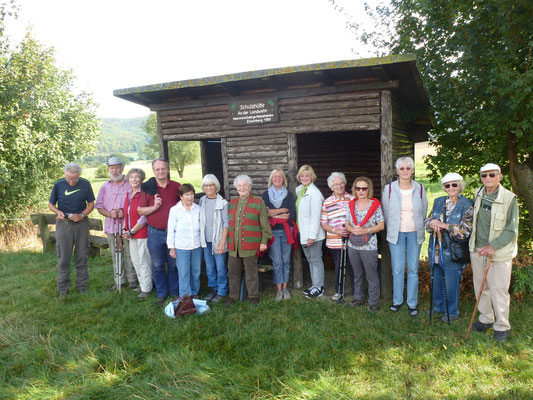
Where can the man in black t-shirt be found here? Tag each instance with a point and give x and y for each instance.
(72, 199)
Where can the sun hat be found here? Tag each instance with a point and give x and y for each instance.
(490, 167)
(452, 176)
(114, 161)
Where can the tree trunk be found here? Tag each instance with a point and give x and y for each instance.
(524, 180)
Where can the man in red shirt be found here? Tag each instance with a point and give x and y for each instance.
(157, 197)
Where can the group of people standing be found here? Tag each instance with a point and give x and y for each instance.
(166, 234)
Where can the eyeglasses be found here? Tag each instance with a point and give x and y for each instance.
(359, 189)
(448, 185)
(492, 175)
(405, 168)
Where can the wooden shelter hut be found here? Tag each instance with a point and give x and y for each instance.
(354, 116)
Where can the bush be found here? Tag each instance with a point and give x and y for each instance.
(101, 171)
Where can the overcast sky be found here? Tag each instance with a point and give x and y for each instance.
(115, 44)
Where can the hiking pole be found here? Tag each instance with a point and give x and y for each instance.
(119, 264)
(342, 270)
(441, 258)
(432, 272)
(115, 253)
(479, 297)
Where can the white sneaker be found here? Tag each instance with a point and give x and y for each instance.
(336, 297)
(279, 295)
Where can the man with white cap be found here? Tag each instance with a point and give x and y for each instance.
(494, 234)
(109, 203)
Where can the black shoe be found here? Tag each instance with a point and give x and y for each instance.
(413, 311)
(161, 301)
(373, 308)
(501, 336)
(115, 286)
(229, 302)
(481, 327)
(212, 293)
(308, 290)
(395, 307)
(217, 298)
(357, 303)
(315, 292)
(444, 318)
(254, 301)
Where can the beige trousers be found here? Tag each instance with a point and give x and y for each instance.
(140, 257)
(495, 300)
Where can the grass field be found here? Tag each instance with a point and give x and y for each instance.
(103, 345)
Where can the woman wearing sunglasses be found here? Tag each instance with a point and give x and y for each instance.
(363, 220)
(452, 216)
(405, 207)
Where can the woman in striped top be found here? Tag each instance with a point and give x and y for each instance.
(332, 220)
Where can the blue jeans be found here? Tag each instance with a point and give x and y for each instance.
(406, 249)
(453, 283)
(216, 270)
(163, 280)
(280, 254)
(189, 267)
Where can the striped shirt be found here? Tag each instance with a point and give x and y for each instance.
(334, 215)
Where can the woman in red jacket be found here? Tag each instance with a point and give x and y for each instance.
(136, 231)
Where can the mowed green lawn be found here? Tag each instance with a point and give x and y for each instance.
(105, 345)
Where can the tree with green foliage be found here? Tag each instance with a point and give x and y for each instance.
(475, 57)
(43, 123)
(180, 153)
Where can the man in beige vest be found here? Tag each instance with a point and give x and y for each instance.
(494, 234)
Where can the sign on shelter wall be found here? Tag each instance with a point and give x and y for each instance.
(254, 112)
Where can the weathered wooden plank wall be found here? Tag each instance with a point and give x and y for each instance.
(255, 156)
(355, 111)
(402, 145)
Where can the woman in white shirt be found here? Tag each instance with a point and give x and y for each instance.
(183, 241)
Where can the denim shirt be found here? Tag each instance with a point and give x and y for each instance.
(455, 217)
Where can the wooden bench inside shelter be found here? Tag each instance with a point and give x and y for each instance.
(49, 237)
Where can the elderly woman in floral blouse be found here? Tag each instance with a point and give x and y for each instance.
(363, 220)
(452, 215)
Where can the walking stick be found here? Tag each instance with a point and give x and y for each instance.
(119, 264)
(342, 270)
(115, 253)
(432, 271)
(441, 258)
(479, 297)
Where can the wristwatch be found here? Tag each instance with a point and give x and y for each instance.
(83, 215)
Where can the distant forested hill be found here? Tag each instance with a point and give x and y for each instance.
(122, 135)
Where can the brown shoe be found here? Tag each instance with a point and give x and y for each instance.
(254, 301)
(229, 302)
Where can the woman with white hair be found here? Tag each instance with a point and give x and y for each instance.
(214, 226)
(452, 216)
(281, 215)
(332, 220)
(405, 207)
(249, 232)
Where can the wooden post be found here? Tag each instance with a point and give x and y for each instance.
(163, 144)
(387, 171)
(292, 158)
(224, 150)
(203, 157)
